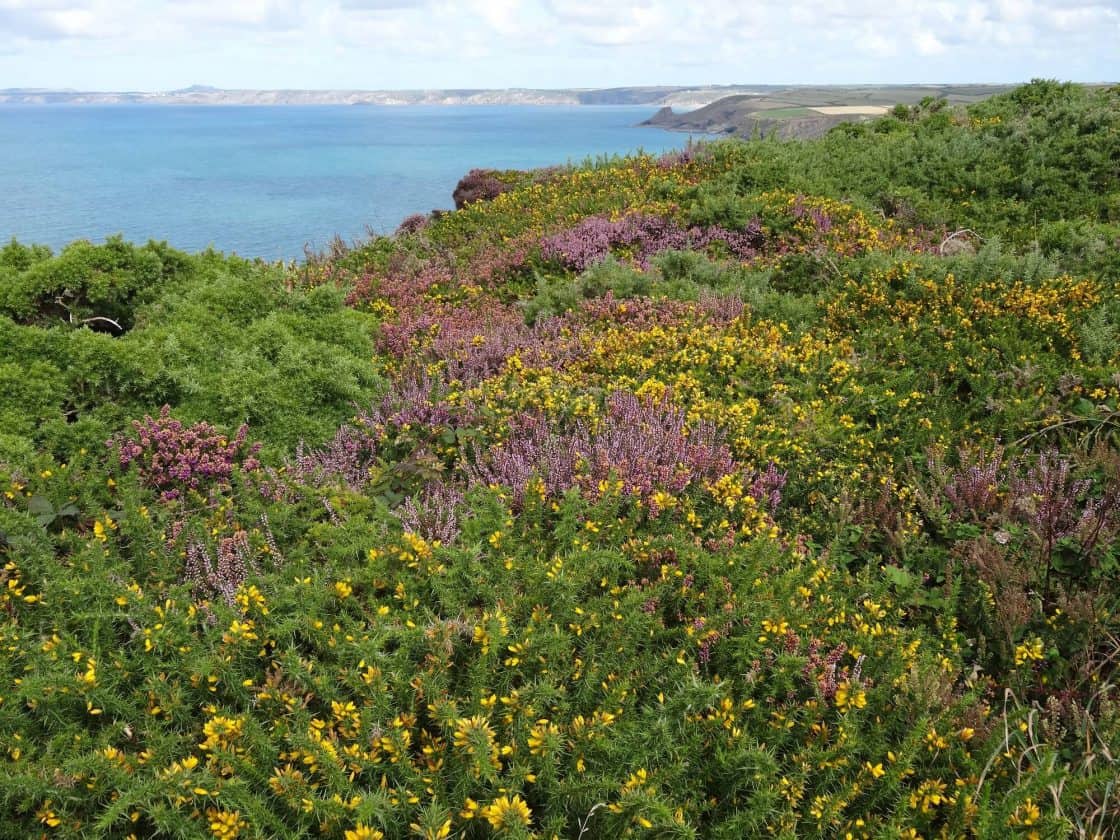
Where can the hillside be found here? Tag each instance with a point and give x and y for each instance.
(759, 489)
(805, 112)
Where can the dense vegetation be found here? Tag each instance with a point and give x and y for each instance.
(758, 489)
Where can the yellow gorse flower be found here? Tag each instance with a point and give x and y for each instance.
(225, 825)
(221, 732)
(363, 832)
(850, 697)
(505, 814)
(1031, 650)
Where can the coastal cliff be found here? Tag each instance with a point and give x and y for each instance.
(724, 117)
(807, 112)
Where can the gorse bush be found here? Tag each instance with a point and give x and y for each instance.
(758, 489)
(87, 284)
(229, 345)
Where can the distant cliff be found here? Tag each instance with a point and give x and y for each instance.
(805, 112)
(724, 117)
(693, 96)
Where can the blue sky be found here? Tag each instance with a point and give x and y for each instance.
(163, 44)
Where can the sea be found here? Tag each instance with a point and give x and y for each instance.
(272, 181)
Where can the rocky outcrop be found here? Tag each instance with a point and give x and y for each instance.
(478, 185)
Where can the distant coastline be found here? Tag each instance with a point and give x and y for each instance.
(653, 96)
(680, 98)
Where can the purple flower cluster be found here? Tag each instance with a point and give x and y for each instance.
(219, 578)
(973, 489)
(414, 399)
(345, 460)
(1039, 491)
(434, 514)
(647, 445)
(1049, 498)
(475, 340)
(721, 309)
(414, 223)
(641, 236)
(822, 222)
(825, 671)
(405, 282)
(496, 262)
(478, 185)
(533, 448)
(414, 402)
(639, 313)
(643, 444)
(174, 459)
(766, 488)
(478, 347)
(680, 157)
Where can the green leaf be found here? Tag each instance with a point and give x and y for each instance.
(899, 577)
(40, 506)
(1086, 408)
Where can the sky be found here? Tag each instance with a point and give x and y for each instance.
(116, 45)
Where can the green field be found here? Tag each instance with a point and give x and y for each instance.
(785, 112)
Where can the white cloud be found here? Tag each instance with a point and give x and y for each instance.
(262, 15)
(776, 40)
(52, 20)
(382, 5)
(928, 44)
(877, 43)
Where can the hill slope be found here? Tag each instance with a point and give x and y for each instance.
(757, 489)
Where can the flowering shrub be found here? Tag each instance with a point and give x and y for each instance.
(174, 458)
(641, 236)
(974, 488)
(223, 577)
(433, 514)
(414, 223)
(345, 459)
(639, 446)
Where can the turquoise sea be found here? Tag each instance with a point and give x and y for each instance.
(265, 181)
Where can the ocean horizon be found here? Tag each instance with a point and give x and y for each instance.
(266, 181)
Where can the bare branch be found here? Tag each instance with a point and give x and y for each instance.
(106, 320)
(954, 235)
